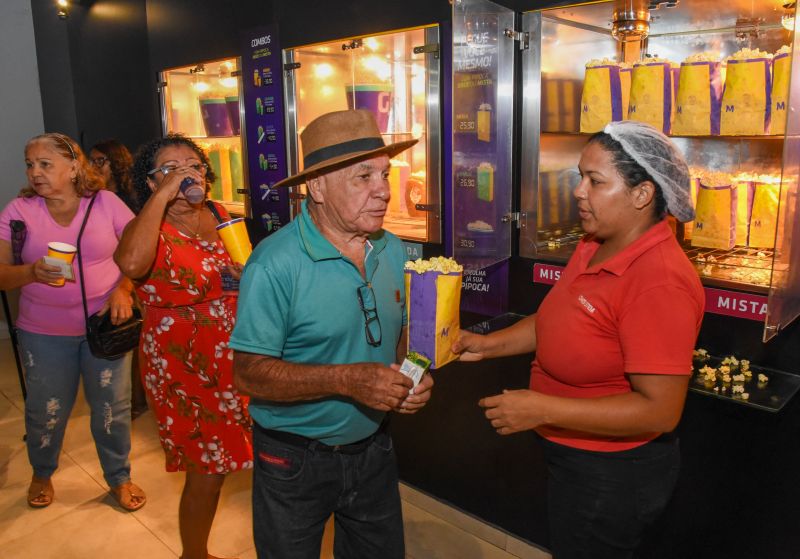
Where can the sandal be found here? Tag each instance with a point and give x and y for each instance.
(40, 493)
(129, 496)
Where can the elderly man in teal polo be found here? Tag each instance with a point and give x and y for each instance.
(321, 327)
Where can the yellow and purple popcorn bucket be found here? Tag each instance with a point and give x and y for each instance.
(433, 296)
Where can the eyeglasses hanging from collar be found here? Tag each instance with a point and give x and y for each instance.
(372, 326)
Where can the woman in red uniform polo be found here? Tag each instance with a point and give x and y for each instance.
(613, 342)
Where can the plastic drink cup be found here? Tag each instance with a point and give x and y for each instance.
(235, 239)
(232, 104)
(377, 98)
(61, 251)
(216, 120)
(193, 192)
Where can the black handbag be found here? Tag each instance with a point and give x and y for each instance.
(107, 340)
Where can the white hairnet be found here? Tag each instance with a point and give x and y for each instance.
(662, 160)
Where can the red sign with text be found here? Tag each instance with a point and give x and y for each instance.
(546, 273)
(718, 301)
(733, 303)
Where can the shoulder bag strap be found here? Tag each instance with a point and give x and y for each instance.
(80, 260)
(213, 207)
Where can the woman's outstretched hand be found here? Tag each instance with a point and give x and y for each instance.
(469, 346)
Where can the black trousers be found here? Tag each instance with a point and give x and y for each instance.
(599, 503)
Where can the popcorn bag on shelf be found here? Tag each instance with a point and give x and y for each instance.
(433, 296)
(764, 216)
(601, 100)
(694, 185)
(746, 104)
(744, 206)
(781, 74)
(651, 94)
(699, 97)
(715, 213)
(625, 74)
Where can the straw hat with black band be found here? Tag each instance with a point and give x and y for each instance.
(338, 139)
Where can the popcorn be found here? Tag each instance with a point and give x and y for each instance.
(724, 369)
(433, 289)
(785, 49)
(747, 54)
(716, 178)
(745, 396)
(737, 389)
(744, 365)
(731, 360)
(654, 60)
(702, 57)
(762, 378)
(435, 264)
(602, 62)
(738, 378)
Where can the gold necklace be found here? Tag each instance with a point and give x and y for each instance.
(186, 230)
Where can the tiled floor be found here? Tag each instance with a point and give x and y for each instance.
(83, 522)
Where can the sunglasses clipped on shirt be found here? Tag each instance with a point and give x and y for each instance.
(372, 326)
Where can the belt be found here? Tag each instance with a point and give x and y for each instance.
(300, 441)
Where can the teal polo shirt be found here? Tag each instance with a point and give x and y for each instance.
(299, 303)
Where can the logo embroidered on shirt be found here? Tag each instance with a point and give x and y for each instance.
(274, 460)
(583, 301)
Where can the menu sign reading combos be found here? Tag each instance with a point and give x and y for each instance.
(264, 128)
(718, 301)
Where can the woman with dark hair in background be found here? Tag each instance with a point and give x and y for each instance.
(173, 252)
(613, 341)
(113, 161)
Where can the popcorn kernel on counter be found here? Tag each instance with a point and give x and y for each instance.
(435, 264)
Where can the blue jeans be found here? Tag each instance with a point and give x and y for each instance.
(53, 367)
(296, 487)
(600, 503)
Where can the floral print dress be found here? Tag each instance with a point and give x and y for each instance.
(185, 362)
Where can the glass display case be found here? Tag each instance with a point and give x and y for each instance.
(483, 106)
(728, 119)
(396, 76)
(203, 102)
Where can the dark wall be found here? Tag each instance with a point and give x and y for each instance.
(55, 69)
(108, 43)
(183, 32)
(93, 71)
(311, 21)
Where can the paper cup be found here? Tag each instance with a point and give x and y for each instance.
(62, 251)
(234, 236)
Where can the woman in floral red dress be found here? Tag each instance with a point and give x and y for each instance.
(173, 251)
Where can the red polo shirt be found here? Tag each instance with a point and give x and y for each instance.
(637, 312)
